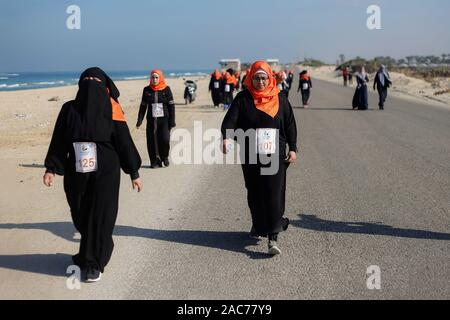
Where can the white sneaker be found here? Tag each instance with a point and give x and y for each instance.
(93, 275)
(273, 248)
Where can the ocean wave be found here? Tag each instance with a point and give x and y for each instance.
(48, 83)
(45, 83)
(136, 78)
(187, 74)
(13, 74)
(15, 85)
(4, 78)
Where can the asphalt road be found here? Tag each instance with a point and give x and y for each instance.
(370, 188)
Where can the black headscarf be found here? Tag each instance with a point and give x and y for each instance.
(91, 116)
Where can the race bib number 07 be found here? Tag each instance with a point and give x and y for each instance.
(216, 85)
(157, 110)
(85, 156)
(266, 140)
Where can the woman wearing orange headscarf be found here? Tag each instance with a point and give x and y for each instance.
(305, 86)
(266, 118)
(229, 84)
(158, 99)
(215, 87)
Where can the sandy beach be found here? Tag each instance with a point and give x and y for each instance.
(403, 86)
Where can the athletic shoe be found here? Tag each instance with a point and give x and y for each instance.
(93, 275)
(273, 248)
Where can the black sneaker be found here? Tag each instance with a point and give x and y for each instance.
(93, 275)
(166, 162)
(156, 165)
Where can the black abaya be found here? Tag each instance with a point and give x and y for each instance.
(158, 128)
(265, 193)
(93, 196)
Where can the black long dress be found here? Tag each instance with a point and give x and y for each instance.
(93, 197)
(158, 128)
(360, 98)
(228, 89)
(215, 86)
(303, 83)
(265, 193)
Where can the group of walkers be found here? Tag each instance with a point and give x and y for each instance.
(222, 87)
(381, 83)
(91, 142)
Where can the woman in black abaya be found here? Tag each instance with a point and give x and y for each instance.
(266, 114)
(90, 143)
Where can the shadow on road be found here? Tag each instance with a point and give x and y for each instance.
(55, 264)
(311, 222)
(50, 264)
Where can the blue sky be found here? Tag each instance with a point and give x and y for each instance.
(181, 34)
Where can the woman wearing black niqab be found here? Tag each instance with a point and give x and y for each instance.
(90, 143)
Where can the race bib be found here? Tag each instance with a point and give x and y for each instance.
(227, 88)
(305, 86)
(85, 156)
(266, 141)
(157, 110)
(216, 85)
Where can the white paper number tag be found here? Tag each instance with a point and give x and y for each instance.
(85, 156)
(266, 141)
(157, 110)
(216, 85)
(227, 88)
(305, 86)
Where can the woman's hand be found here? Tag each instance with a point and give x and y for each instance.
(225, 145)
(137, 183)
(48, 179)
(292, 156)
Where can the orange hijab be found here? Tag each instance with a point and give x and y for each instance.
(230, 79)
(117, 112)
(265, 100)
(216, 74)
(304, 76)
(162, 82)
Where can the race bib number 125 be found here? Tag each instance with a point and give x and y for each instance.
(85, 156)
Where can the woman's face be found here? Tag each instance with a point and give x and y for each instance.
(155, 79)
(260, 81)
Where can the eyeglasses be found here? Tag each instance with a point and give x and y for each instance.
(257, 79)
(155, 77)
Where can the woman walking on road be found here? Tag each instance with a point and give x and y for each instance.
(266, 114)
